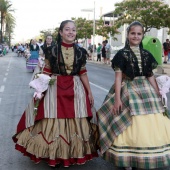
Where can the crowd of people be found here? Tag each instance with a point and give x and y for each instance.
(60, 124)
(102, 52)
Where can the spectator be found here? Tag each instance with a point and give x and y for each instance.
(108, 51)
(99, 48)
(104, 52)
(90, 51)
(166, 47)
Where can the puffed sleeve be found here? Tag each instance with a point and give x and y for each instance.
(118, 62)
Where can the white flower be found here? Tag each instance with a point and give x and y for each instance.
(40, 84)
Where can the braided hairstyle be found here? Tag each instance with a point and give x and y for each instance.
(135, 23)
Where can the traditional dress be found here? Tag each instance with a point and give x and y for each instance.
(139, 136)
(32, 61)
(61, 131)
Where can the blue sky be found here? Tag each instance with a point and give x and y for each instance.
(35, 15)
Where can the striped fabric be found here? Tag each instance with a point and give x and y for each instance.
(144, 158)
(32, 60)
(67, 98)
(136, 50)
(79, 93)
(29, 119)
(138, 97)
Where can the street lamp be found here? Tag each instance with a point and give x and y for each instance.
(92, 10)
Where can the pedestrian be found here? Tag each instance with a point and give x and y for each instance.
(47, 46)
(134, 131)
(90, 51)
(61, 132)
(4, 50)
(44, 54)
(30, 43)
(99, 48)
(108, 52)
(40, 42)
(32, 61)
(166, 46)
(104, 52)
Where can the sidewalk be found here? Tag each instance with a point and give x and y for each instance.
(166, 69)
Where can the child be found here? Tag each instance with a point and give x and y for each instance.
(133, 129)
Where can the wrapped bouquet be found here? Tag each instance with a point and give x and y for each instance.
(40, 84)
(164, 87)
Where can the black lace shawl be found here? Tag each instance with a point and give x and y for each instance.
(57, 61)
(127, 62)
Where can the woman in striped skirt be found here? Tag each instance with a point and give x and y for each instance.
(32, 61)
(61, 131)
(134, 130)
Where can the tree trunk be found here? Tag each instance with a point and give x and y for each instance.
(2, 25)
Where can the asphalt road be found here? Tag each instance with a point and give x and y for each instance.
(15, 94)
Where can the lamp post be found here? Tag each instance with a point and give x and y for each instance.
(92, 10)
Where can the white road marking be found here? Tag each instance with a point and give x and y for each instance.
(0, 100)
(4, 80)
(2, 89)
(99, 87)
(6, 74)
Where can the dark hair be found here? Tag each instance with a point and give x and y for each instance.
(63, 23)
(135, 23)
(57, 49)
(45, 43)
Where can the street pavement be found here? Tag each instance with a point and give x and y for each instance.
(14, 97)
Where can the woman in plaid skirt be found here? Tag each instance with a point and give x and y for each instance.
(134, 131)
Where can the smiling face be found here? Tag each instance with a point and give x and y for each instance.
(135, 35)
(49, 40)
(68, 33)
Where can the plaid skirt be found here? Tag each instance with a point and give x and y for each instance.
(138, 99)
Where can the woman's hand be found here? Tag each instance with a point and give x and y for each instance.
(117, 107)
(91, 99)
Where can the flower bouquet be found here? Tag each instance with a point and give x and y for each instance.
(164, 87)
(40, 84)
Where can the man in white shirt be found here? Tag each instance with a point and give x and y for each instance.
(108, 51)
(40, 43)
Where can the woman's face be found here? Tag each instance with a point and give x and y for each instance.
(68, 33)
(49, 40)
(34, 42)
(135, 35)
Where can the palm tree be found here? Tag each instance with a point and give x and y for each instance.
(5, 8)
(10, 25)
